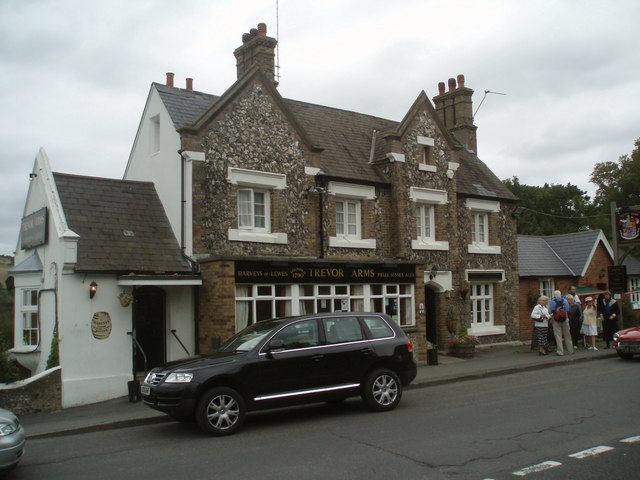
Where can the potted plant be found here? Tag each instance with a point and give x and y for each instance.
(463, 345)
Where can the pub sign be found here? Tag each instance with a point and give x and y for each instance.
(298, 272)
(33, 230)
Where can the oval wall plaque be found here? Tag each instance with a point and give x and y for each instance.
(101, 325)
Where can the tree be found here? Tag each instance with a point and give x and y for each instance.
(618, 182)
(550, 209)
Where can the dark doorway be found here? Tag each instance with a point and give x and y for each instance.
(432, 318)
(149, 327)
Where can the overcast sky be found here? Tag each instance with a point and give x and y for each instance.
(75, 74)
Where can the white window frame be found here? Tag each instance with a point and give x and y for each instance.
(481, 310)
(348, 218)
(27, 310)
(262, 182)
(308, 298)
(480, 229)
(428, 198)
(634, 292)
(351, 194)
(425, 223)
(481, 211)
(253, 212)
(547, 287)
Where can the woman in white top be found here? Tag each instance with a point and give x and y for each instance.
(590, 322)
(541, 317)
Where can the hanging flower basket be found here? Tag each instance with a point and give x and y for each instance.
(125, 298)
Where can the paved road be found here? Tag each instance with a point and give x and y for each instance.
(478, 429)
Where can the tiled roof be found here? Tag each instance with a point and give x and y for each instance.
(557, 255)
(345, 137)
(632, 263)
(184, 106)
(122, 226)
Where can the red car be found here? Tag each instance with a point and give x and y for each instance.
(627, 342)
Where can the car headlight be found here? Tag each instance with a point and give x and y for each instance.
(7, 429)
(178, 377)
(615, 337)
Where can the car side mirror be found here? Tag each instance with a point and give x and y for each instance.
(274, 345)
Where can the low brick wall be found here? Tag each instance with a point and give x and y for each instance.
(40, 393)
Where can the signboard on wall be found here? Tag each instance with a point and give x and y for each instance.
(628, 220)
(33, 230)
(617, 278)
(297, 272)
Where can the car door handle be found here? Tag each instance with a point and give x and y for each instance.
(317, 358)
(367, 351)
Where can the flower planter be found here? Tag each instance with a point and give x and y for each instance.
(463, 350)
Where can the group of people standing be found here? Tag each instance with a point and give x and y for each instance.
(569, 320)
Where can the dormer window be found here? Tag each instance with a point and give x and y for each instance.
(426, 160)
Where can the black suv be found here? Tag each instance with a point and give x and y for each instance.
(286, 361)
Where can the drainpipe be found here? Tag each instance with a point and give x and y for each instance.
(320, 191)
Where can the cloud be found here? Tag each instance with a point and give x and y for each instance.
(74, 75)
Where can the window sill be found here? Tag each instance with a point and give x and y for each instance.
(423, 167)
(25, 349)
(346, 242)
(248, 236)
(419, 245)
(485, 249)
(486, 331)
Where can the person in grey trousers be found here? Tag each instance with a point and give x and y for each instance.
(561, 324)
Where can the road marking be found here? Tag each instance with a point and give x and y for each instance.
(631, 439)
(591, 452)
(536, 468)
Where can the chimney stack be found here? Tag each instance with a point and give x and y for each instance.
(169, 79)
(455, 109)
(190, 84)
(257, 49)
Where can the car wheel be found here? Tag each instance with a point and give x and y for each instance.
(626, 356)
(220, 411)
(382, 390)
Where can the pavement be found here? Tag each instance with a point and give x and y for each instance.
(490, 360)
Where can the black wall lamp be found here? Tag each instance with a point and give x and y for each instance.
(93, 288)
(433, 272)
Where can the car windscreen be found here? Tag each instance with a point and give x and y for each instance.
(247, 339)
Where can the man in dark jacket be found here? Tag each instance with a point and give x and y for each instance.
(608, 311)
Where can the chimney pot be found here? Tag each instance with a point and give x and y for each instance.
(253, 32)
(452, 84)
(189, 83)
(441, 88)
(246, 37)
(262, 29)
(460, 81)
(169, 79)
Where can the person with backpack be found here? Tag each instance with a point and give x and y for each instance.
(559, 308)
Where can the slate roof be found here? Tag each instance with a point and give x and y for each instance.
(184, 106)
(632, 263)
(557, 255)
(345, 138)
(122, 226)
